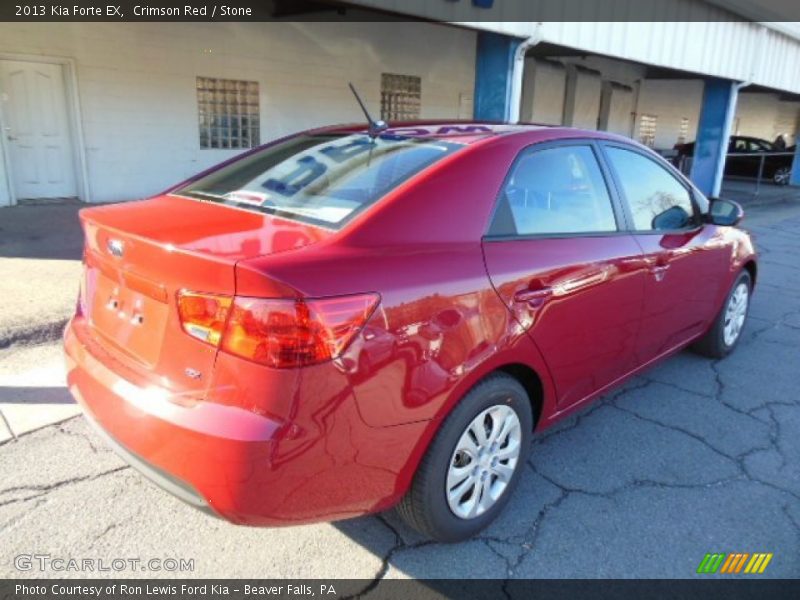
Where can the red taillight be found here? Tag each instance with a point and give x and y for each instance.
(203, 315)
(292, 333)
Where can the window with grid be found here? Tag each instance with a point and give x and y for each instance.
(647, 130)
(401, 97)
(683, 132)
(227, 113)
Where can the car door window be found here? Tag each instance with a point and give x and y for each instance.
(761, 146)
(554, 191)
(656, 199)
(741, 146)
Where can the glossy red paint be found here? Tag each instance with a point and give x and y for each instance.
(267, 446)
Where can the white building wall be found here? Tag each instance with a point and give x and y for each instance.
(543, 92)
(787, 121)
(720, 38)
(765, 116)
(5, 189)
(670, 101)
(547, 97)
(756, 115)
(552, 96)
(617, 108)
(136, 83)
(549, 92)
(582, 100)
(550, 83)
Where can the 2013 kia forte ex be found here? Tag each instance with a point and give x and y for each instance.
(346, 320)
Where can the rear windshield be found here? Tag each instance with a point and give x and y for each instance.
(324, 179)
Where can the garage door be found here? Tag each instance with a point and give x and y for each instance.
(582, 98)
(543, 92)
(616, 108)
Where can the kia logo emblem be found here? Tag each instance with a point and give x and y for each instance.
(115, 247)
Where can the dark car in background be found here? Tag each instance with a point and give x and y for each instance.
(745, 156)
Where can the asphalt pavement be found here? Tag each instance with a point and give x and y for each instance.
(40, 253)
(695, 456)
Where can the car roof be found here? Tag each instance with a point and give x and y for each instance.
(750, 138)
(470, 132)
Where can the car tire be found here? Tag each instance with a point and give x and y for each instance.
(726, 330)
(782, 176)
(432, 506)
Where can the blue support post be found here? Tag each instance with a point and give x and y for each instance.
(493, 66)
(713, 131)
(794, 178)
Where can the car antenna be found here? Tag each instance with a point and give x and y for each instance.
(375, 127)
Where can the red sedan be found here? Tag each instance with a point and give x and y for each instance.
(343, 321)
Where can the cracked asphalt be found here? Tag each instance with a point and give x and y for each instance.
(694, 456)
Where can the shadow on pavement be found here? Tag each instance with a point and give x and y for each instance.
(35, 395)
(44, 231)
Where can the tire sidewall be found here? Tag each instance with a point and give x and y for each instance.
(744, 276)
(503, 391)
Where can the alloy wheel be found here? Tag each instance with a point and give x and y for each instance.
(483, 462)
(735, 313)
(781, 176)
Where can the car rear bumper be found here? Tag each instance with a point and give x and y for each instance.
(245, 467)
(173, 485)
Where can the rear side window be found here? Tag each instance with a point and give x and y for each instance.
(761, 146)
(656, 199)
(557, 190)
(323, 179)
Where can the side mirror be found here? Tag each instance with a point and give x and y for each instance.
(725, 212)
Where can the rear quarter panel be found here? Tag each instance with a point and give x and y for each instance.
(440, 326)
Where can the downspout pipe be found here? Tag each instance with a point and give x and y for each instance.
(518, 72)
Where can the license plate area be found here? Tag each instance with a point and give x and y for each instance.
(132, 321)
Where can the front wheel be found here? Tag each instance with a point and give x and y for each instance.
(726, 330)
(473, 463)
(782, 176)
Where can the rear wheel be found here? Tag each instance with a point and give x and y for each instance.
(473, 464)
(726, 330)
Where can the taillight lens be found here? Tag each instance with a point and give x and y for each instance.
(203, 315)
(284, 333)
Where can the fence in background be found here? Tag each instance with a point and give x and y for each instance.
(758, 167)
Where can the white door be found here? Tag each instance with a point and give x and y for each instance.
(36, 123)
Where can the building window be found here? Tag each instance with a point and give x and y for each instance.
(647, 130)
(683, 132)
(228, 113)
(401, 97)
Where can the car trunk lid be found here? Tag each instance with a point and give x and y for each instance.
(140, 255)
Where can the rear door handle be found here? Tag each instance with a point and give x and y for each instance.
(534, 298)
